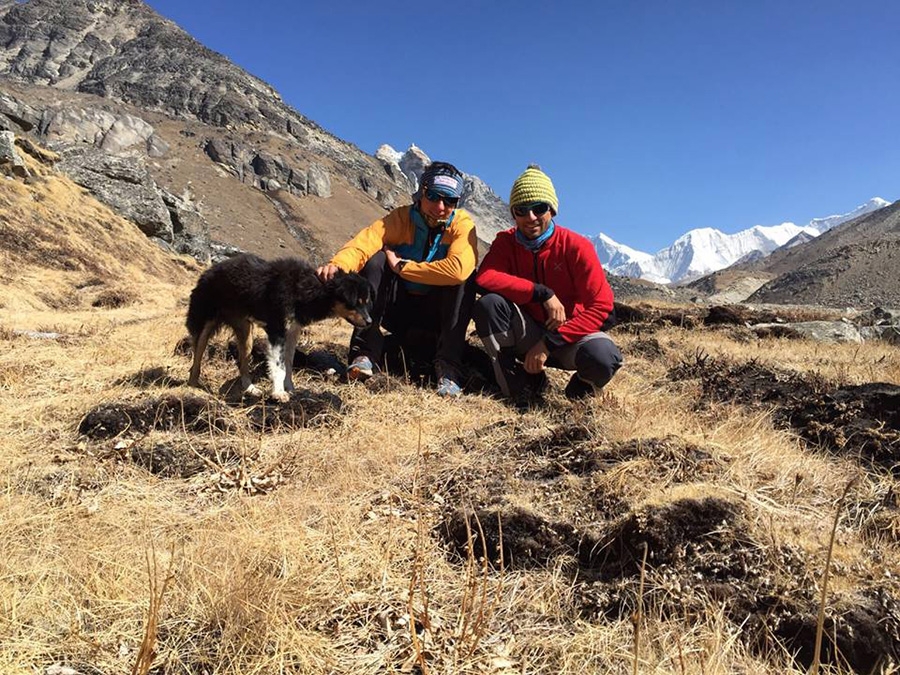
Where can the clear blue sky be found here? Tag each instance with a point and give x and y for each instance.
(651, 117)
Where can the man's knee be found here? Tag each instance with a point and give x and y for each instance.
(597, 361)
(491, 314)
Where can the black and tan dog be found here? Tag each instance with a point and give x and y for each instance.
(280, 295)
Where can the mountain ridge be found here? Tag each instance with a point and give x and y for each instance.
(704, 250)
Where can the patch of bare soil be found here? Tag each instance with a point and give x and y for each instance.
(67, 484)
(152, 376)
(173, 458)
(167, 413)
(857, 421)
(878, 516)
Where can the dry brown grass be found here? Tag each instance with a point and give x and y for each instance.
(316, 550)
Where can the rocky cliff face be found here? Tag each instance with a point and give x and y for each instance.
(146, 117)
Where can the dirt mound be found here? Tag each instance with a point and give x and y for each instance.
(168, 413)
(154, 376)
(703, 550)
(862, 631)
(862, 420)
(634, 318)
(525, 539)
(305, 408)
(670, 455)
(858, 421)
(648, 347)
(566, 449)
(707, 534)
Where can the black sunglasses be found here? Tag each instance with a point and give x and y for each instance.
(537, 208)
(435, 196)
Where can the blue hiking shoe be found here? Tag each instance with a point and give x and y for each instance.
(447, 386)
(360, 368)
(448, 380)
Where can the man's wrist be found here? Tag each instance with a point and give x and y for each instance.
(400, 265)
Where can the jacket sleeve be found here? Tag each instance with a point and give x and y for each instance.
(354, 255)
(457, 266)
(496, 272)
(390, 230)
(596, 295)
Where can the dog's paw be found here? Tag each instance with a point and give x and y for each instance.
(253, 390)
(281, 396)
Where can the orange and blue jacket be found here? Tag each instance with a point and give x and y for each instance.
(454, 262)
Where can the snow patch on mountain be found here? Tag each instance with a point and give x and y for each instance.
(821, 225)
(705, 250)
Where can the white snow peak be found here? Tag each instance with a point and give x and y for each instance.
(705, 250)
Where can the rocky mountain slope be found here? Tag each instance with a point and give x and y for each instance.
(857, 263)
(180, 140)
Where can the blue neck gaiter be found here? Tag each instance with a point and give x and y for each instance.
(534, 244)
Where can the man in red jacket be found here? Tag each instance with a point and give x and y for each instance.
(547, 300)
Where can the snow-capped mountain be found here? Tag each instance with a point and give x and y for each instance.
(821, 225)
(705, 250)
(613, 255)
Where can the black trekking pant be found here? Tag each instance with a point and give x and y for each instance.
(504, 327)
(443, 313)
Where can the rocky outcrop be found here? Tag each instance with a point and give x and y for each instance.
(412, 163)
(268, 172)
(491, 213)
(104, 130)
(11, 163)
(124, 184)
(819, 331)
(103, 152)
(23, 116)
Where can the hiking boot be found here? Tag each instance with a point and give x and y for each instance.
(578, 389)
(360, 368)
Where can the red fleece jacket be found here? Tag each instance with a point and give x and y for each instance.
(567, 264)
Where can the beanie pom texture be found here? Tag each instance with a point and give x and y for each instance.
(533, 186)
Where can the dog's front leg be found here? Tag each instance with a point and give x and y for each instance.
(290, 346)
(276, 368)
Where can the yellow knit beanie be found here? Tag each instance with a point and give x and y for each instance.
(534, 186)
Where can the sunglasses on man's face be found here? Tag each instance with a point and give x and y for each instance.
(435, 196)
(538, 209)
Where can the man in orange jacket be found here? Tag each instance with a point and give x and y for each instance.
(419, 260)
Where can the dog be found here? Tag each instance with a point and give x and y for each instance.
(282, 296)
